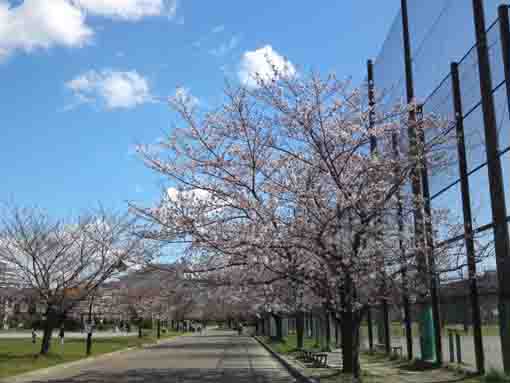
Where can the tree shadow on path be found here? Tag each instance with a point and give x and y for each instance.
(178, 376)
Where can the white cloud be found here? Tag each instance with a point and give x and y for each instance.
(116, 89)
(128, 9)
(42, 24)
(225, 47)
(261, 64)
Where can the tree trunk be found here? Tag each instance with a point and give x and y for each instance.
(49, 325)
(300, 328)
(350, 343)
(279, 327)
(316, 324)
(328, 331)
(337, 332)
(347, 342)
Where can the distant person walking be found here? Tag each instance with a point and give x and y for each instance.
(61, 335)
(34, 335)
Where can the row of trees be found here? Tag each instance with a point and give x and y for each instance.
(297, 193)
(60, 263)
(301, 192)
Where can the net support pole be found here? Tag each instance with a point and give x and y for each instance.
(504, 33)
(468, 220)
(417, 189)
(373, 151)
(429, 242)
(497, 190)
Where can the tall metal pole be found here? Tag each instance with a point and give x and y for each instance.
(420, 231)
(373, 150)
(429, 241)
(416, 182)
(468, 220)
(504, 34)
(405, 281)
(497, 190)
(371, 103)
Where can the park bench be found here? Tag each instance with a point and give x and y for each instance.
(318, 358)
(396, 349)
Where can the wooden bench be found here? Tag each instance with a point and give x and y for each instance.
(318, 358)
(321, 358)
(396, 349)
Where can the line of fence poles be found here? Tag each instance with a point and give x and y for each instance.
(423, 230)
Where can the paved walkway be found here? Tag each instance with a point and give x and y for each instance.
(219, 356)
(491, 346)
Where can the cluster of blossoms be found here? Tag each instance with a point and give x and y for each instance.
(282, 189)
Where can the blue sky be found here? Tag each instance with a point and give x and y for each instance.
(79, 79)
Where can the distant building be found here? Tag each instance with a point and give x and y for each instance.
(7, 277)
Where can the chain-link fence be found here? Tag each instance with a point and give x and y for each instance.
(462, 186)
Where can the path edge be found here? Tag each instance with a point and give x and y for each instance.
(43, 372)
(296, 374)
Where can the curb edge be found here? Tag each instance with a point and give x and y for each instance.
(292, 370)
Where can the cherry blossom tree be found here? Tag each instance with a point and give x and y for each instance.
(66, 261)
(281, 183)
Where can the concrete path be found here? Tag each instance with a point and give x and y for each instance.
(218, 357)
(491, 346)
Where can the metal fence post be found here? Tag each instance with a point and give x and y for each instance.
(497, 190)
(468, 221)
(413, 147)
(371, 103)
(373, 149)
(429, 242)
(504, 34)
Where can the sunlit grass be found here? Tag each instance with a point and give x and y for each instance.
(20, 355)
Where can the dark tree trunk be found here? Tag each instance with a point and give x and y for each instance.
(49, 325)
(337, 331)
(350, 323)
(347, 342)
(279, 327)
(89, 343)
(300, 328)
(140, 334)
(328, 331)
(350, 343)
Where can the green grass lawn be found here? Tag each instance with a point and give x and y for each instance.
(289, 344)
(20, 355)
